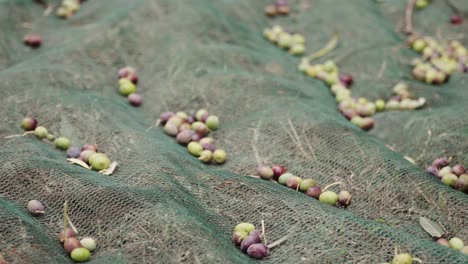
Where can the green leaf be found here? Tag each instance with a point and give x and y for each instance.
(431, 227)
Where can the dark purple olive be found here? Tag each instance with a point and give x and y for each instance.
(184, 137)
(133, 78)
(258, 251)
(135, 99)
(73, 152)
(253, 238)
(32, 40)
(197, 137)
(89, 147)
(208, 146)
(432, 170)
(29, 124)
(278, 171)
(346, 79)
(191, 119)
(456, 19)
(344, 198)
(165, 116)
(70, 244)
(458, 169)
(69, 232)
(314, 192)
(440, 162)
(35, 208)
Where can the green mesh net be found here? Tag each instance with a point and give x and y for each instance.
(162, 205)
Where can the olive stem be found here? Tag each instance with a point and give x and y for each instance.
(332, 43)
(65, 222)
(409, 17)
(263, 232)
(72, 225)
(20, 135)
(277, 242)
(418, 260)
(330, 185)
(39, 212)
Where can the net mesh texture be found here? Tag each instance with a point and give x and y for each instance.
(162, 205)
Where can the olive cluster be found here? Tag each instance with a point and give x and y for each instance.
(438, 61)
(192, 129)
(87, 153)
(293, 42)
(128, 80)
(308, 186)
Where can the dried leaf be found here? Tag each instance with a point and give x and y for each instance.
(109, 170)
(431, 227)
(79, 162)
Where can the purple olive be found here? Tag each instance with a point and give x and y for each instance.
(73, 152)
(70, 244)
(444, 242)
(294, 182)
(456, 19)
(278, 171)
(458, 169)
(184, 137)
(69, 232)
(29, 124)
(349, 113)
(164, 117)
(35, 208)
(133, 78)
(314, 192)
(258, 251)
(346, 79)
(253, 238)
(85, 154)
(125, 71)
(208, 146)
(432, 170)
(440, 162)
(202, 129)
(89, 147)
(197, 137)
(191, 119)
(135, 99)
(32, 40)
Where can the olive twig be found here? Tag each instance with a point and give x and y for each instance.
(409, 17)
(330, 185)
(263, 233)
(277, 242)
(20, 135)
(332, 43)
(65, 221)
